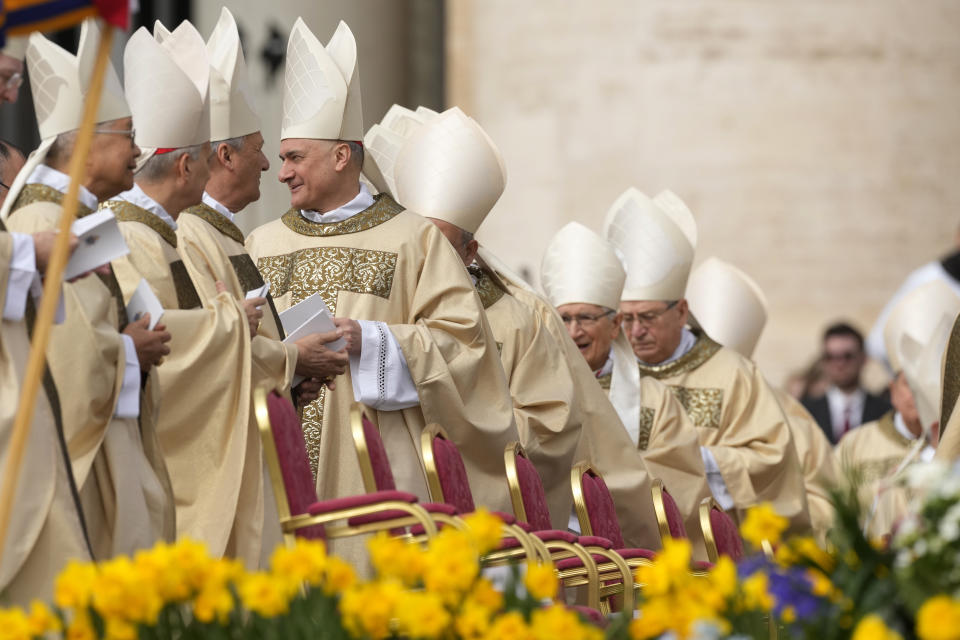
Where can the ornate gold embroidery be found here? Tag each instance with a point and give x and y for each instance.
(488, 290)
(250, 278)
(873, 470)
(702, 351)
(605, 381)
(703, 406)
(187, 297)
(216, 220)
(646, 426)
(36, 192)
(129, 212)
(887, 428)
(951, 377)
(110, 282)
(384, 208)
(327, 271)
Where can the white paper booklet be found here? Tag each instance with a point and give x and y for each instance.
(259, 293)
(99, 241)
(144, 301)
(309, 316)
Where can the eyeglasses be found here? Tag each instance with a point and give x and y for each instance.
(585, 320)
(4, 185)
(130, 133)
(845, 356)
(12, 82)
(649, 318)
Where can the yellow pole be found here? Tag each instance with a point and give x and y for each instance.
(51, 289)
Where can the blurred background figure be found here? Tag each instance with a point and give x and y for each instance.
(846, 404)
(11, 161)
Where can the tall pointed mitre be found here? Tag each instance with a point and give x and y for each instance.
(186, 47)
(450, 169)
(59, 82)
(580, 267)
(657, 238)
(233, 113)
(922, 365)
(381, 147)
(917, 315)
(321, 86)
(727, 304)
(403, 121)
(169, 105)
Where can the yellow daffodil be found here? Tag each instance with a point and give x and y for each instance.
(122, 592)
(264, 594)
(939, 619)
(73, 588)
(485, 530)
(472, 621)
(368, 609)
(558, 621)
(393, 557)
(81, 627)
(117, 629)
(14, 625)
(42, 620)
(763, 523)
(485, 595)
(668, 571)
(655, 618)
(541, 580)
(304, 563)
(509, 626)
(723, 577)
(422, 615)
(213, 603)
(872, 627)
(338, 576)
(451, 565)
(755, 593)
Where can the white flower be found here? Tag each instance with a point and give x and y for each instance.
(920, 548)
(703, 630)
(926, 475)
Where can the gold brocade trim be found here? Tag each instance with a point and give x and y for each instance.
(129, 212)
(110, 282)
(873, 470)
(384, 208)
(951, 377)
(250, 279)
(886, 426)
(37, 192)
(703, 406)
(646, 426)
(702, 350)
(216, 220)
(488, 290)
(187, 296)
(327, 271)
(605, 381)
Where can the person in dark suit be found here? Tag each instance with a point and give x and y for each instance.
(845, 405)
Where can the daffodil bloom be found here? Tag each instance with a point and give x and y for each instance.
(872, 627)
(763, 523)
(939, 619)
(541, 581)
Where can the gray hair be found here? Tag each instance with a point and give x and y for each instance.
(62, 148)
(356, 152)
(236, 143)
(465, 238)
(157, 167)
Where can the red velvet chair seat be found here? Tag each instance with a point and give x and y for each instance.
(674, 517)
(533, 495)
(590, 615)
(453, 475)
(601, 510)
(382, 473)
(726, 535)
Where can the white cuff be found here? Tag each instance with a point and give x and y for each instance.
(381, 379)
(23, 269)
(128, 404)
(715, 480)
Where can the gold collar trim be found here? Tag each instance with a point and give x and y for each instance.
(129, 212)
(216, 220)
(383, 209)
(488, 290)
(886, 426)
(37, 192)
(702, 350)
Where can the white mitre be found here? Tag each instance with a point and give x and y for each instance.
(727, 304)
(16, 47)
(918, 315)
(321, 86)
(580, 267)
(403, 121)
(657, 237)
(449, 169)
(169, 105)
(233, 113)
(381, 146)
(59, 82)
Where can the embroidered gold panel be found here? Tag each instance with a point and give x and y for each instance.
(327, 271)
(250, 278)
(702, 350)
(110, 282)
(703, 406)
(36, 192)
(187, 296)
(129, 212)
(605, 381)
(488, 290)
(873, 470)
(384, 208)
(646, 426)
(216, 220)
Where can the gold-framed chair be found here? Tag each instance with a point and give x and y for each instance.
(720, 534)
(300, 512)
(669, 518)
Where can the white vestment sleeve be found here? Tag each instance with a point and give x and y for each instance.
(381, 378)
(23, 269)
(128, 404)
(715, 480)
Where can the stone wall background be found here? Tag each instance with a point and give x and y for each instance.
(817, 142)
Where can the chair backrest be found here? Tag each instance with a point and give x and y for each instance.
(526, 488)
(594, 505)
(720, 534)
(285, 452)
(371, 453)
(669, 518)
(446, 474)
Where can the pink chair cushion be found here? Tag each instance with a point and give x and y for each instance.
(531, 491)
(595, 541)
(726, 535)
(382, 473)
(550, 535)
(294, 465)
(600, 508)
(630, 554)
(361, 500)
(674, 517)
(589, 615)
(453, 475)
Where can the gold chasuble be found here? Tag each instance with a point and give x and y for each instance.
(667, 440)
(820, 472)
(541, 386)
(393, 266)
(739, 420)
(603, 440)
(117, 464)
(211, 247)
(46, 529)
(204, 386)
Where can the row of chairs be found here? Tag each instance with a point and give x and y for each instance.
(598, 559)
